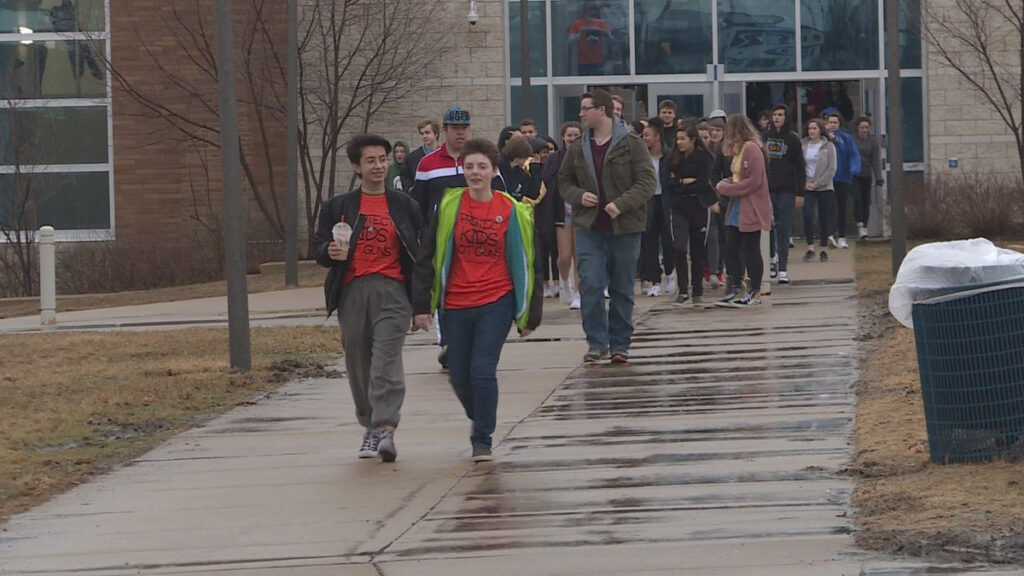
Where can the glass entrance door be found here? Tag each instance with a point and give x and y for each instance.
(692, 99)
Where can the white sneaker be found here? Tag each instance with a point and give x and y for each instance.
(566, 293)
(831, 241)
(575, 304)
(862, 233)
(554, 290)
(645, 287)
(654, 290)
(606, 296)
(547, 291)
(783, 278)
(668, 285)
(842, 243)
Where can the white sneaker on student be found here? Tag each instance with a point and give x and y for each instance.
(547, 291)
(862, 233)
(575, 304)
(566, 293)
(668, 285)
(842, 243)
(654, 290)
(832, 241)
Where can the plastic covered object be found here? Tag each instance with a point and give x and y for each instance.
(342, 233)
(943, 268)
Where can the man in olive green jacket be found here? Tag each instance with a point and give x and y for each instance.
(607, 177)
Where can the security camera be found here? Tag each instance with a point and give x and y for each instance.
(472, 17)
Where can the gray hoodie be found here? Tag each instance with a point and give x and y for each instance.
(824, 167)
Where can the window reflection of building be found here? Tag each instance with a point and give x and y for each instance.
(54, 108)
(594, 37)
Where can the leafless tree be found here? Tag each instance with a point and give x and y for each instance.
(18, 197)
(356, 58)
(188, 100)
(983, 40)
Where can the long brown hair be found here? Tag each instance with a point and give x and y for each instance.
(738, 131)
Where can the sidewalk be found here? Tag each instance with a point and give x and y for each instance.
(715, 453)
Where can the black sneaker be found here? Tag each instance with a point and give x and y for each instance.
(442, 358)
(386, 445)
(823, 256)
(683, 299)
(746, 301)
(370, 440)
(809, 256)
(482, 453)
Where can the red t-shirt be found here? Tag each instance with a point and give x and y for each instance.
(479, 271)
(378, 249)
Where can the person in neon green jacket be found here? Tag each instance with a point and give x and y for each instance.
(477, 269)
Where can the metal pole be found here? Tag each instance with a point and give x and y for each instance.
(234, 213)
(291, 224)
(47, 278)
(895, 137)
(524, 67)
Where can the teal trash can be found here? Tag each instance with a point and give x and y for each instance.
(970, 351)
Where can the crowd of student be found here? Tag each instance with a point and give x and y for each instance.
(474, 234)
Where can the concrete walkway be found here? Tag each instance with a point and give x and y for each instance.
(715, 453)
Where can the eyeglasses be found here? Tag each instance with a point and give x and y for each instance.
(586, 108)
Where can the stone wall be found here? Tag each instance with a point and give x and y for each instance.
(962, 124)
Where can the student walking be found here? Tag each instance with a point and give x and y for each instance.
(690, 195)
(564, 235)
(870, 175)
(608, 178)
(847, 167)
(656, 252)
(429, 131)
(786, 178)
(478, 271)
(819, 191)
(750, 207)
(368, 283)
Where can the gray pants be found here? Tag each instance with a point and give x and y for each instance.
(375, 315)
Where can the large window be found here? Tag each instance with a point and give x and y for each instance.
(590, 37)
(911, 95)
(672, 37)
(537, 25)
(910, 33)
(52, 69)
(54, 116)
(24, 16)
(757, 35)
(839, 34)
(538, 107)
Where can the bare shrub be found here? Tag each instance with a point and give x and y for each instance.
(964, 205)
(988, 205)
(931, 212)
(87, 268)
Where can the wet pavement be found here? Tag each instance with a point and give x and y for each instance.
(717, 452)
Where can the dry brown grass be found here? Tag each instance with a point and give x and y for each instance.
(904, 503)
(77, 404)
(309, 276)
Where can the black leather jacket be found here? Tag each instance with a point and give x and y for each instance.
(405, 213)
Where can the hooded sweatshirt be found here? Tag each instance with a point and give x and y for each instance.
(395, 170)
(786, 170)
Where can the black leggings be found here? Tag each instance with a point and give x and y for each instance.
(743, 252)
(689, 224)
(862, 200)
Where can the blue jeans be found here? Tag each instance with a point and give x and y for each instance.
(607, 260)
(784, 206)
(823, 204)
(475, 337)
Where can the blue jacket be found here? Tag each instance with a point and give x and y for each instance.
(847, 157)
